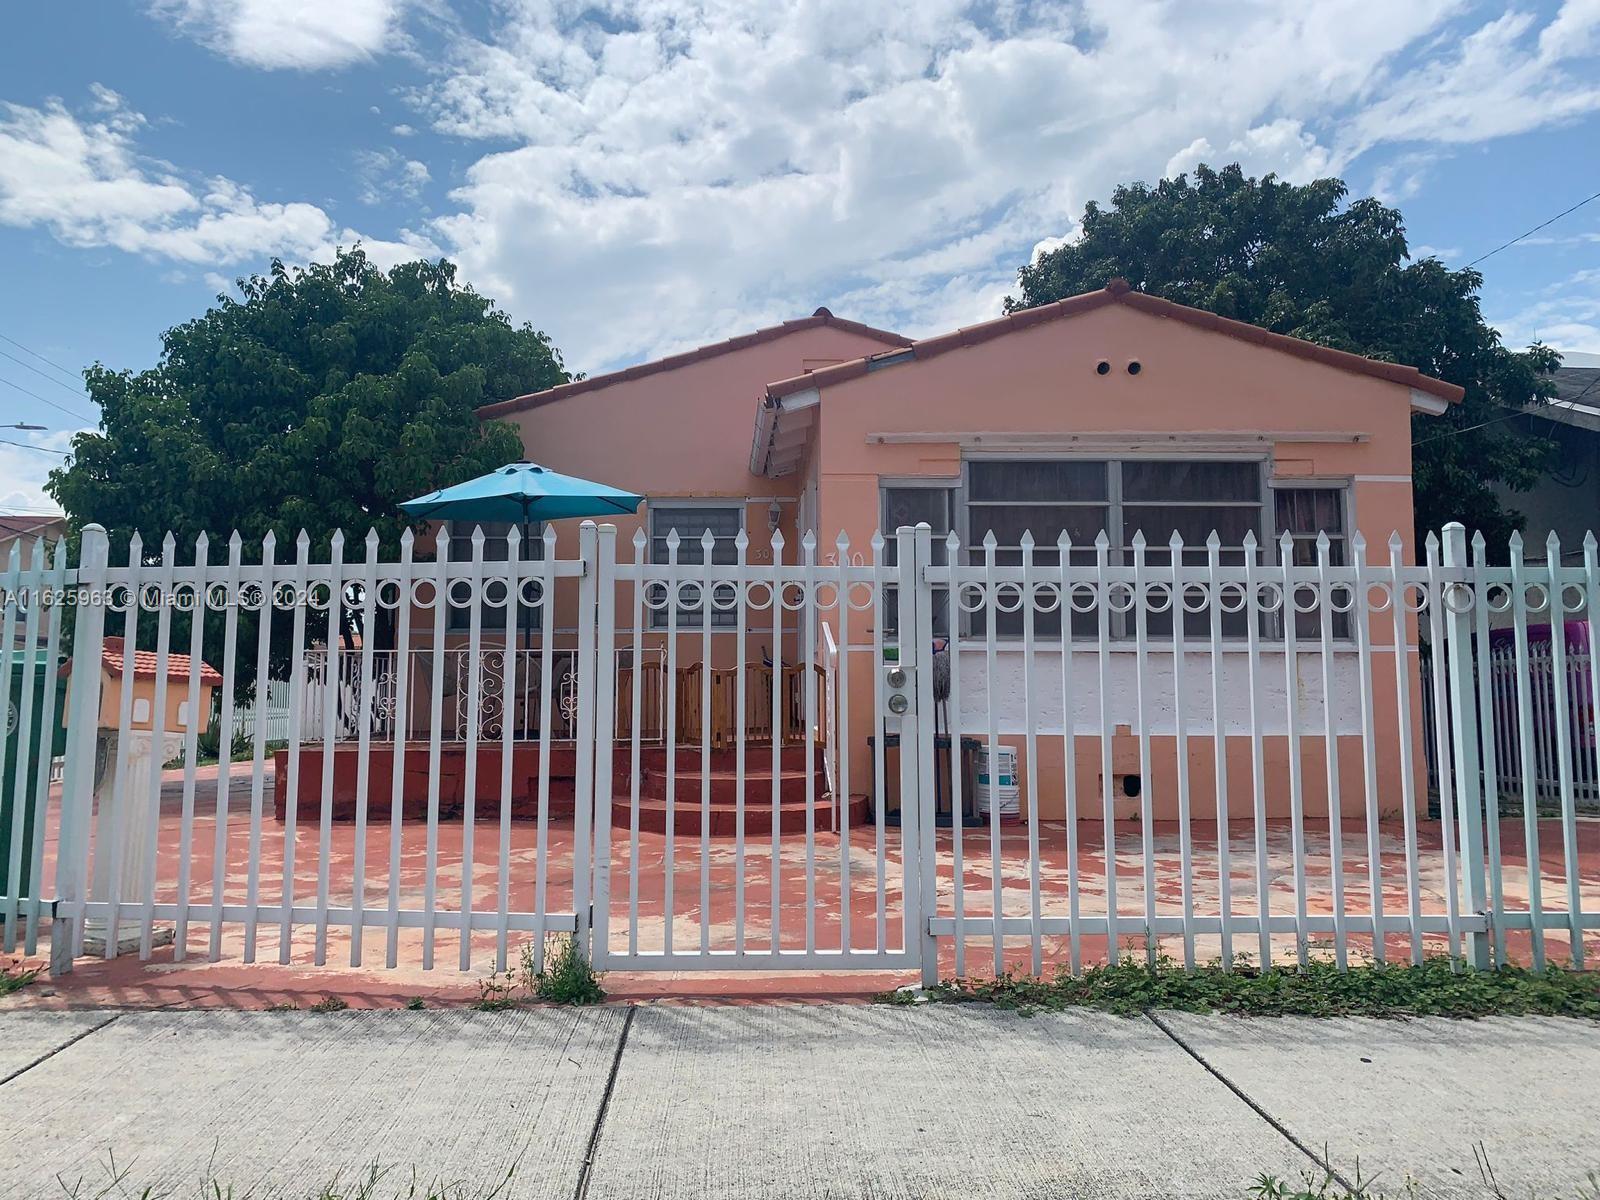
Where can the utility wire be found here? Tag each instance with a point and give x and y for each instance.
(40, 449)
(77, 416)
(1533, 231)
(41, 358)
(76, 391)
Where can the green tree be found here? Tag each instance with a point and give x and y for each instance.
(1297, 260)
(317, 402)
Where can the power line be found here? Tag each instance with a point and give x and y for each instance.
(39, 449)
(45, 400)
(1534, 230)
(76, 391)
(26, 350)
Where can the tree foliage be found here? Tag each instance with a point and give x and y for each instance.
(1298, 260)
(318, 401)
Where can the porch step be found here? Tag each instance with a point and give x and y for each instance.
(725, 816)
(757, 758)
(725, 785)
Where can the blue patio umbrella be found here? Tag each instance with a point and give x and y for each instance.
(522, 493)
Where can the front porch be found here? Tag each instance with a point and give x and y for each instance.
(408, 696)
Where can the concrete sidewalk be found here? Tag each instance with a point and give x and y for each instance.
(789, 1101)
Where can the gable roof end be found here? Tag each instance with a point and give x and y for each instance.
(1428, 393)
(822, 317)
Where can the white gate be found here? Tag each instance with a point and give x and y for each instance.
(709, 763)
(755, 782)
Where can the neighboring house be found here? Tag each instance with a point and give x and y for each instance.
(20, 529)
(1112, 411)
(1566, 500)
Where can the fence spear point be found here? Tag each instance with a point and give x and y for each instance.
(1063, 541)
(407, 538)
(808, 542)
(1249, 539)
(1027, 539)
(1175, 542)
(1101, 541)
(842, 544)
(1395, 543)
(1137, 542)
(372, 539)
(639, 538)
(1588, 540)
(777, 543)
(1358, 543)
(990, 541)
(1553, 546)
(202, 543)
(1214, 542)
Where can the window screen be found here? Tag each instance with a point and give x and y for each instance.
(495, 550)
(692, 522)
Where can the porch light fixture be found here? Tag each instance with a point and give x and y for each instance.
(774, 515)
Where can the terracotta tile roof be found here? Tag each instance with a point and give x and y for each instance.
(25, 524)
(772, 333)
(1119, 292)
(144, 664)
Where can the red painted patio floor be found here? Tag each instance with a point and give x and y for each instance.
(231, 982)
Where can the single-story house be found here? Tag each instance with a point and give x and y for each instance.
(1112, 411)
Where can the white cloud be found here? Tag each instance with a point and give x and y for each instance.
(387, 175)
(684, 169)
(1565, 315)
(299, 34)
(84, 180)
(25, 467)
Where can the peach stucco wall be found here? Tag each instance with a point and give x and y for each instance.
(1040, 383)
(686, 434)
(683, 434)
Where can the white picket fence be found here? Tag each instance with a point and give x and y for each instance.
(1221, 753)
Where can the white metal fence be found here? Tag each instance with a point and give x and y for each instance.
(1221, 753)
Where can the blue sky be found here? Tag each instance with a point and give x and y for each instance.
(640, 178)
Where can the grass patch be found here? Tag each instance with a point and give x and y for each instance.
(14, 976)
(330, 1004)
(371, 1182)
(1326, 1186)
(567, 978)
(1319, 989)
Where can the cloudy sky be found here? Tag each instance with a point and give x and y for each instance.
(636, 178)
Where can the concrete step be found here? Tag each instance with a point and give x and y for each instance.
(725, 785)
(725, 816)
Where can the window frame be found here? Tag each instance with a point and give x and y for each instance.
(1265, 526)
(688, 621)
(458, 617)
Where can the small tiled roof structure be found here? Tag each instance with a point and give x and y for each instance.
(114, 658)
(822, 316)
(17, 525)
(1118, 291)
